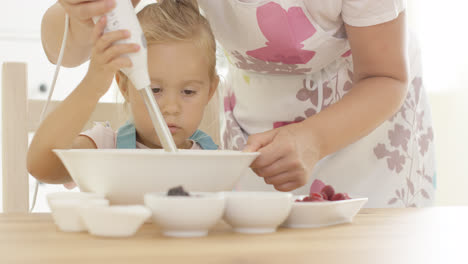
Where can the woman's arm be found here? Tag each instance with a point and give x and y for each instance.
(78, 46)
(289, 153)
(379, 87)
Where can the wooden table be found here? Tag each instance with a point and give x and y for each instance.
(429, 235)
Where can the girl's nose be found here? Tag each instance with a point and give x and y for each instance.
(169, 104)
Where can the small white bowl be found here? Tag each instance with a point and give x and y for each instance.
(73, 195)
(186, 216)
(256, 212)
(114, 221)
(320, 214)
(65, 212)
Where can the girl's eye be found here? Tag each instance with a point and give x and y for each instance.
(189, 92)
(156, 90)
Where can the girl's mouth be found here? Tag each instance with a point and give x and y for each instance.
(173, 129)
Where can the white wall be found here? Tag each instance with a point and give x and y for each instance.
(442, 33)
(20, 41)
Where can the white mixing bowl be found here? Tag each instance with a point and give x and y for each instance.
(125, 175)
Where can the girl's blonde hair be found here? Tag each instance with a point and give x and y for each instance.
(177, 20)
(180, 20)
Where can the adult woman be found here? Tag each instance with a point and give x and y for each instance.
(323, 89)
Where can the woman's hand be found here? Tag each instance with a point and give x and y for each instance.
(287, 156)
(107, 56)
(84, 10)
(81, 12)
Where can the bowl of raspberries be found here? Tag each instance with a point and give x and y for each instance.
(324, 206)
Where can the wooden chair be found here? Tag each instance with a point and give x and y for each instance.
(20, 116)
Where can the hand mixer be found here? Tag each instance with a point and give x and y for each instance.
(123, 17)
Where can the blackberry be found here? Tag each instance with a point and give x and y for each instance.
(177, 191)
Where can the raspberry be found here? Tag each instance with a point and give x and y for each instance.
(317, 186)
(316, 195)
(313, 198)
(338, 197)
(321, 192)
(329, 191)
(316, 199)
(324, 195)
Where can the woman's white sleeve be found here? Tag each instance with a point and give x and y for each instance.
(363, 13)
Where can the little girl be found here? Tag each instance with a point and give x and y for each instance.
(181, 65)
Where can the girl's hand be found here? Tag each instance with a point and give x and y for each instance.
(107, 57)
(287, 156)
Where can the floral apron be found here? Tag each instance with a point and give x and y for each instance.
(286, 68)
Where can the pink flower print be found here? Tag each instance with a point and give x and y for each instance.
(399, 136)
(419, 120)
(392, 201)
(402, 112)
(423, 174)
(327, 91)
(285, 123)
(425, 194)
(346, 54)
(424, 141)
(381, 151)
(305, 94)
(281, 123)
(341, 32)
(285, 31)
(229, 102)
(349, 84)
(250, 63)
(310, 112)
(233, 137)
(396, 161)
(410, 186)
(417, 83)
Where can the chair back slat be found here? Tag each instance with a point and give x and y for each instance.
(14, 138)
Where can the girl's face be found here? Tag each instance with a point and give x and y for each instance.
(182, 87)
